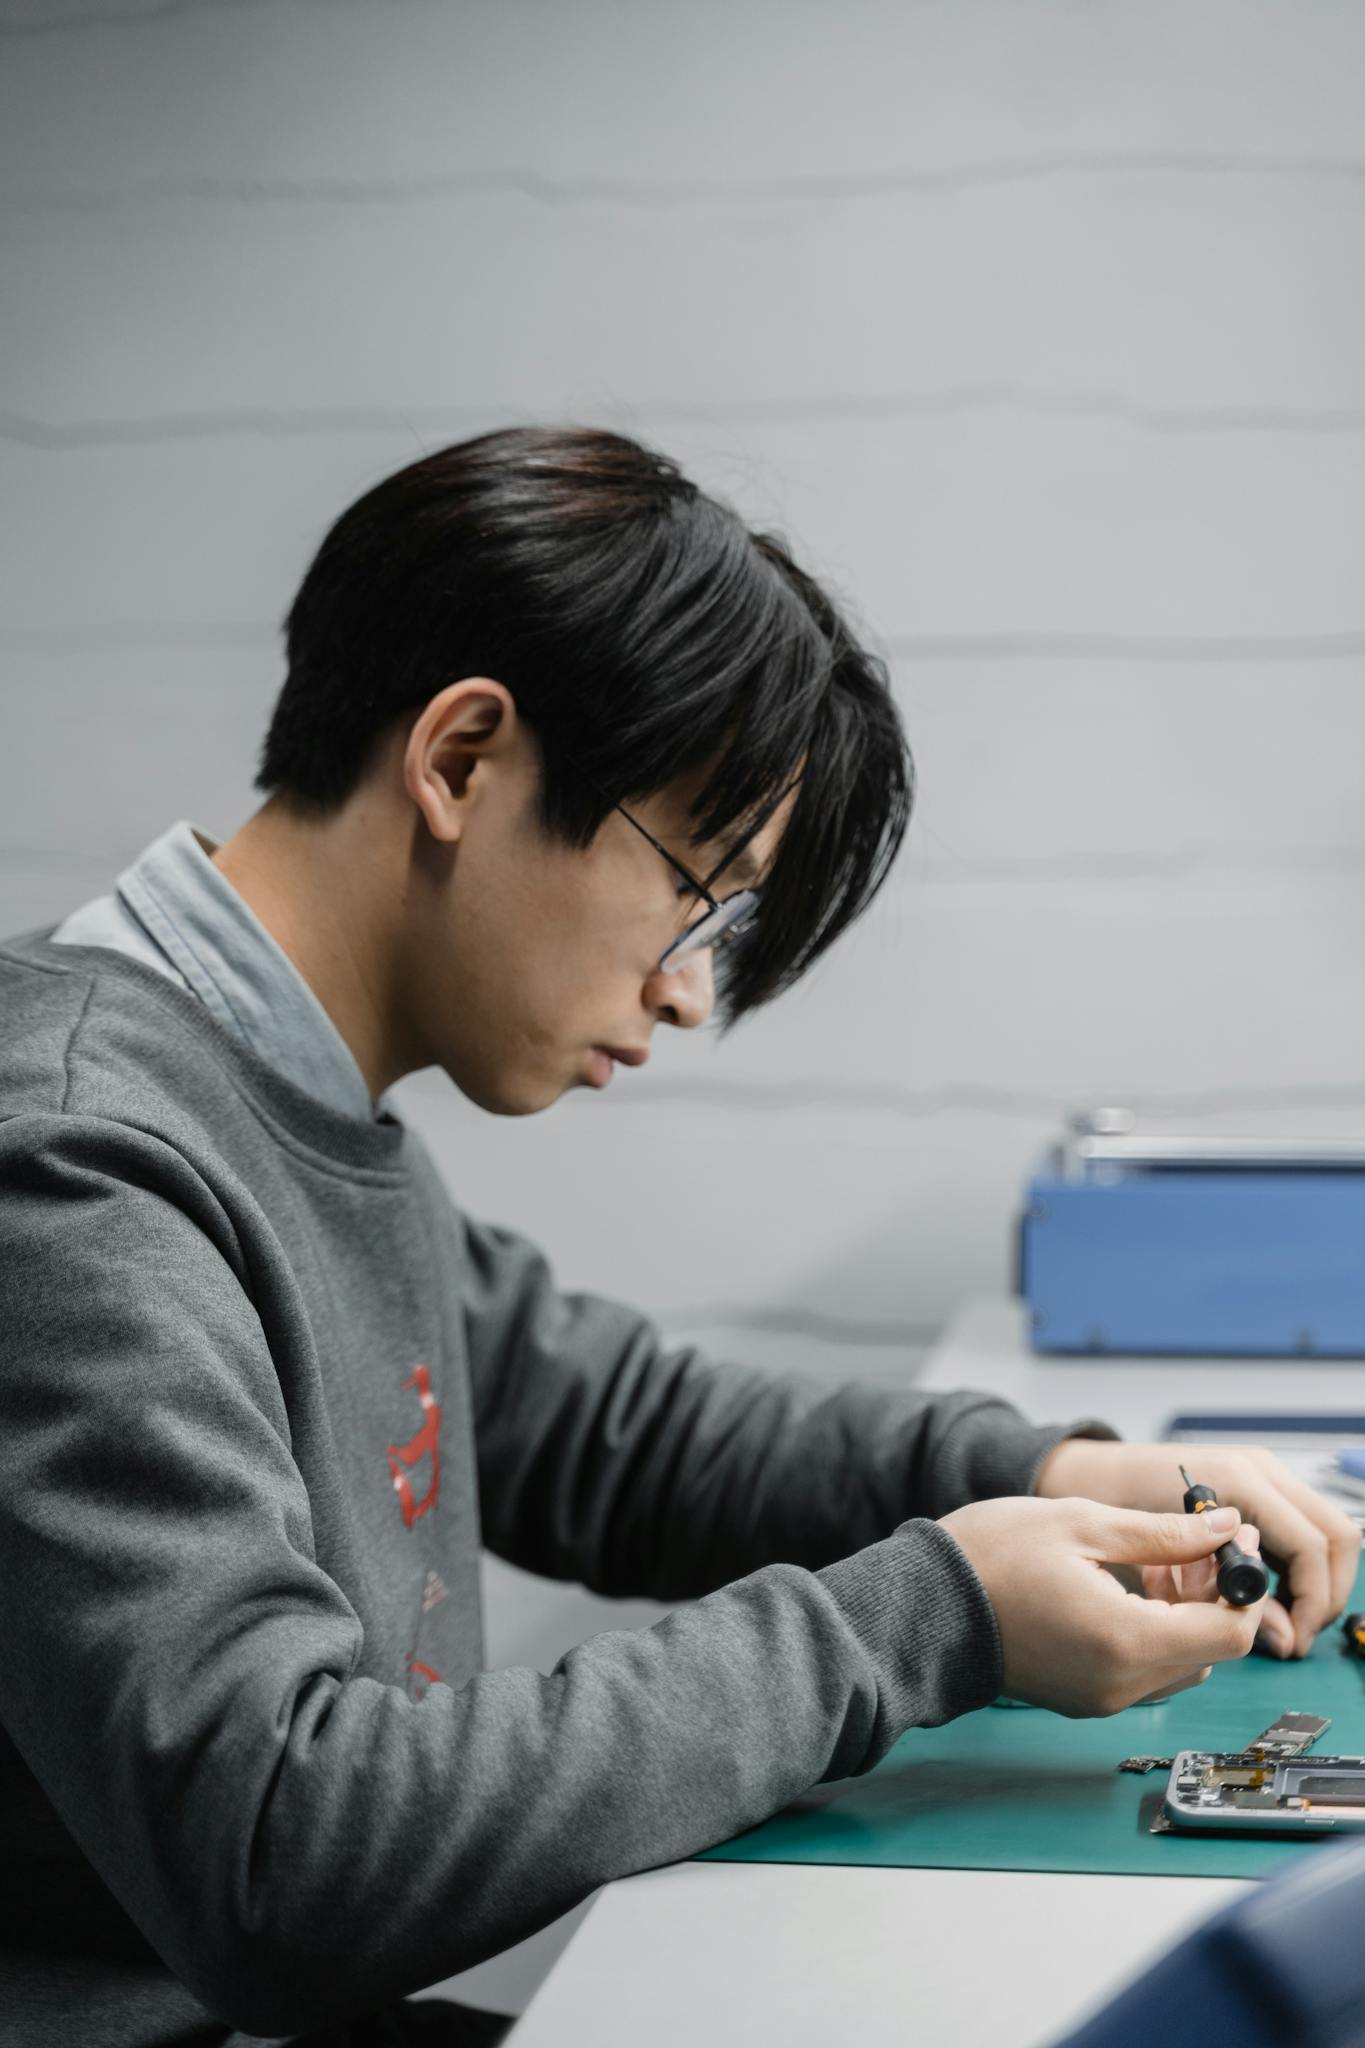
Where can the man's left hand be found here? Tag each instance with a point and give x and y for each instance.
(1313, 1545)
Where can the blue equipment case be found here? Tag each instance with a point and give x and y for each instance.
(1140, 1243)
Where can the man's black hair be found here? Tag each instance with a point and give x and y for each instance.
(643, 631)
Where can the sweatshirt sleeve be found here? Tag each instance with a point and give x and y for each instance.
(296, 1840)
(607, 1458)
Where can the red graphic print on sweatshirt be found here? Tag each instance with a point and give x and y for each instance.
(420, 1676)
(426, 1444)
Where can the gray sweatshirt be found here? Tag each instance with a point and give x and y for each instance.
(264, 1390)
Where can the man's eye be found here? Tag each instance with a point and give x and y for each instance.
(684, 889)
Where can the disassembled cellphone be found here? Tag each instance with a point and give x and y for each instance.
(1270, 1787)
(1299, 1797)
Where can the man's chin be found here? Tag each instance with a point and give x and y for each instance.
(506, 1095)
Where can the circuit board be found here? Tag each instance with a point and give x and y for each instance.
(1288, 1736)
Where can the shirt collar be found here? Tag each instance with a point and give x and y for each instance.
(245, 979)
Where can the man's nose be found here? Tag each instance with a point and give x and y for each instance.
(684, 995)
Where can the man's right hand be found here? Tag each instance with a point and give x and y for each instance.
(1072, 1638)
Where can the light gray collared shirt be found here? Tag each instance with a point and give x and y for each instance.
(175, 911)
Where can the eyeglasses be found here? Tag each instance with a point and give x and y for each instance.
(727, 918)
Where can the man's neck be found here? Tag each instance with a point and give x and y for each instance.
(320, 904)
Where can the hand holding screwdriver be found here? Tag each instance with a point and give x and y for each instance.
(1312, 1545)
(1072, 1637)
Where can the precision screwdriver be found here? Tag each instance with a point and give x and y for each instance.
(1241, 1577)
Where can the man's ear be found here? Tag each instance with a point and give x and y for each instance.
(471, 721)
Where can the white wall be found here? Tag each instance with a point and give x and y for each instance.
(1039, 327)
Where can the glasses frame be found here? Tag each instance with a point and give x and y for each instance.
(687, 940)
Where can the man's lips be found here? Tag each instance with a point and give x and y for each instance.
(604, 1060)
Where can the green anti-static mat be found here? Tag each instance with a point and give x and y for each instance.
(1017, 1788)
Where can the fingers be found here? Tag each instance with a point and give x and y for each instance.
(1159, 1582)
(1129, 1536)
(1342, 1535)
(1318, 1546)
(1277, 1630)
(1198, 1579)
(1190, 1633)
(1303, 1545)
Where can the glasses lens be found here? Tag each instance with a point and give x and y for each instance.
(726, 921)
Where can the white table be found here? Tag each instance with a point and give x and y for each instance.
(986, 1347)
(727, 1953)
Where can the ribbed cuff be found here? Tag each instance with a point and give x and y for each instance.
(1004, 1450)
(1053, 1434)
(926, 1622)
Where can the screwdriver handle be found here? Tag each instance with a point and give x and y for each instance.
(1242, 1578)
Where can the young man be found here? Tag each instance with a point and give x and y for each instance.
(564, 753)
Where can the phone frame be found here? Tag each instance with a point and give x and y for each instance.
(1188, 1818)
